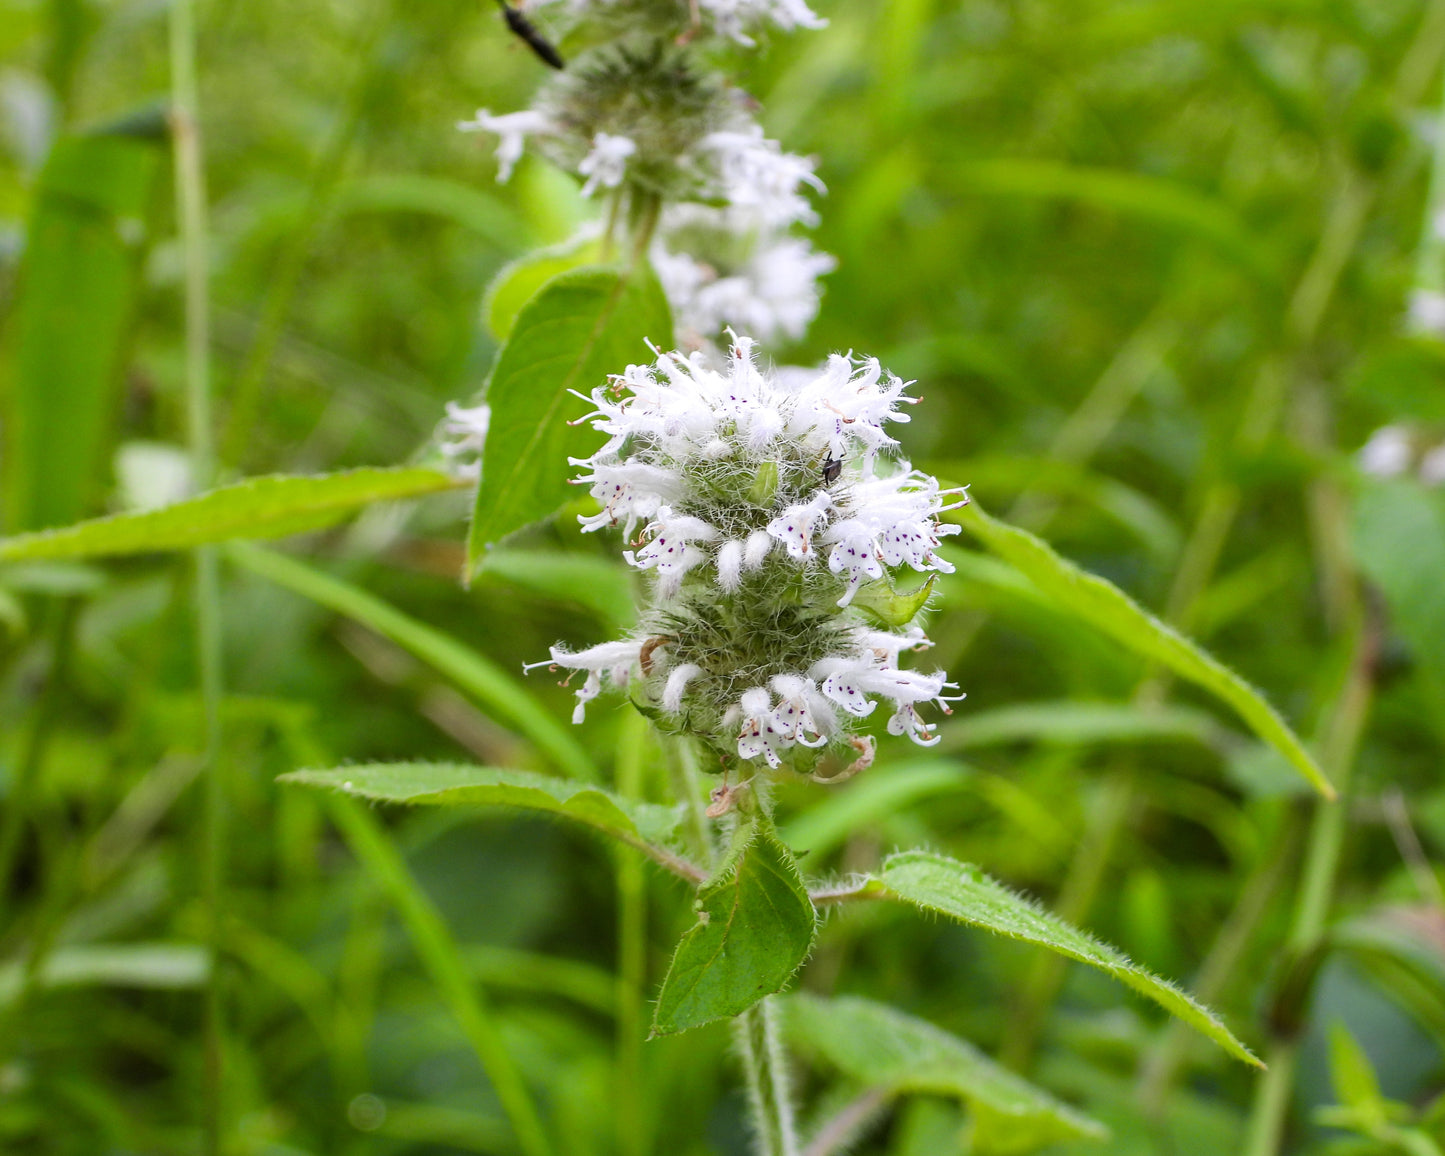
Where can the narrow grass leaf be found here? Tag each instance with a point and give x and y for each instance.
(1110, 610)
(1077, 723)
(439, 954)
(755, 927)
(583, 325)
(879, 1046)
(158, 966)
(265, 507)
(961, 891)
(69, 324)
(493, 688)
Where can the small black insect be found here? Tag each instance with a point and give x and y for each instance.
(524, 28)
(832, 469)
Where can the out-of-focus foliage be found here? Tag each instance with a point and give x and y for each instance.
(1149, 262)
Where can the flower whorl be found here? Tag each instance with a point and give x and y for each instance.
(767, 502)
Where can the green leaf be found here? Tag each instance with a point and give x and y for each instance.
(888, 607)
(520, 281)
(755, 927)
(496, 690)
(478, 210)
(881, 1047)
(581, 326)
(961, 891)
(159, 966)
(267, 507)
(600, 584)
(1353, 1076)
(462, 785)
(871, 798)
(1399, 535)
(1113, 612)
(1068, 723)
(69, 328)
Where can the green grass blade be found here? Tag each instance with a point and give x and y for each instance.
(479, 676)
(266, 507)
(70, 323)
(443, 961)
(879, 1046)
(1110, 610)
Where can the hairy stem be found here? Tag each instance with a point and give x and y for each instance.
(631, 951)
(769, 1094)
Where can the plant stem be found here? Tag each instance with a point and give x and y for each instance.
(765, 1066)
(1322, 860)
(190, 193)
(631, 950)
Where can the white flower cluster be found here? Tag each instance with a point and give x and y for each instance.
(767, 501)
(1395, 450)
(638, 122)
(729, 19)
(766, 286)
(463, 436)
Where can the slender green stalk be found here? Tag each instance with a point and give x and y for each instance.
(769, 1091)
(190, 195)
(439, 955)
(631, 950)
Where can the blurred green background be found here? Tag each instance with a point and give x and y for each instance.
(1149, 263)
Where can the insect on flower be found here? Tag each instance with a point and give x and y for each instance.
(524, 28)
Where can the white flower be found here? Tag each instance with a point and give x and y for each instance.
(610, 660)
(512, 128)
(773, 294)
(893, 522)
(606, 164)
(1388, 452)
(758, 176)
(463, 436)
(731, 18)
(1427, 311)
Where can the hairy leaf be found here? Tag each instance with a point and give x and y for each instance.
(267, 507)
(755, 927)
(881, 1047)
(1110, 610)
(582, 326)
(963, 892)
(521, 280)
(462, 785)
